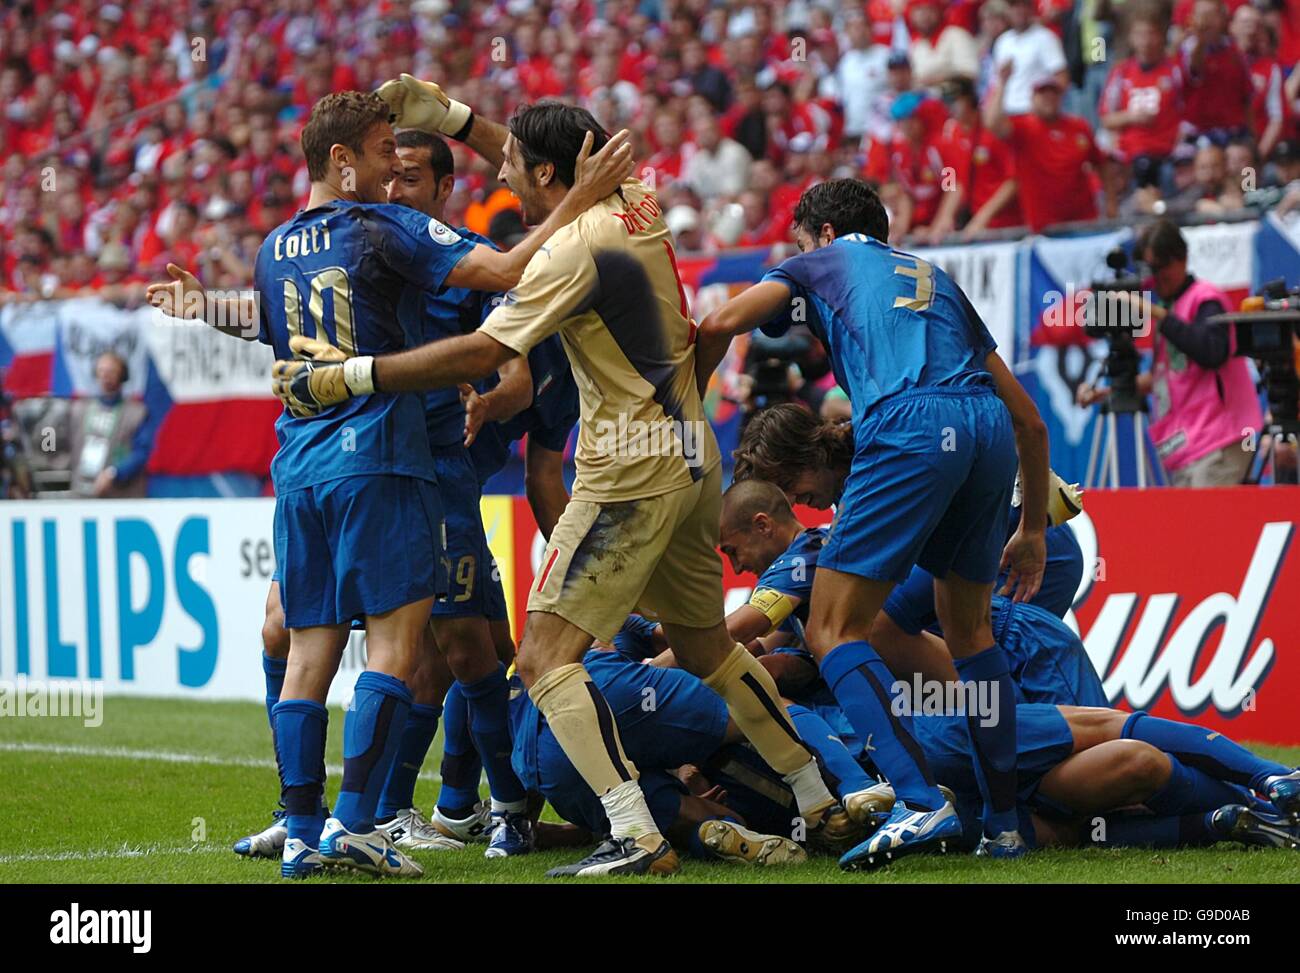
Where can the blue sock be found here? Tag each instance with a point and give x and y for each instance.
(489, 724)
(300, 726)
(698, 848)
(1159, 831)
(417, 736)
(1198, 747)
(461, 767)
(861, 683)
(274, 670)
(372, 729)
(833, 757)
(993, 740)
(1190, 791)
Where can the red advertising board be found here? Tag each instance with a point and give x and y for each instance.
(1189, 608)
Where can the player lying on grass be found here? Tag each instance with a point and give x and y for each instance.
(639, 529)
(1172, 768)
(939, 426)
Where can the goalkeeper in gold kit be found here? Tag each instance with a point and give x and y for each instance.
(642, 528)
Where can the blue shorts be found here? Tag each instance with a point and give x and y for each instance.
(930, 484)
(357, 546)
(1043, 740)
(473, 581)
(1048, 661)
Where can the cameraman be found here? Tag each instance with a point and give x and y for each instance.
(1204, 399)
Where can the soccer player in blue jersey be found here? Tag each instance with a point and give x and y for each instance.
(355, 483)
(938, 422)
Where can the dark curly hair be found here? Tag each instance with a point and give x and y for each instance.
(783, 442)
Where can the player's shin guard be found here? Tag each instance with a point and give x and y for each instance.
(417, 736)
(371, 731)
(489, 723)
(831, 753)
(993, 736)
(461, 767)
(863, 685)
(1204, 750)
(755, 704)
(584, 726)
(1190, 790)
(300, 726)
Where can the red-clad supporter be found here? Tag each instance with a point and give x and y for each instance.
(1268, 101)
(939, 50)
(908, 167)
(1142, 100)
(1219, 90)
(983, 193)
(1053, 152)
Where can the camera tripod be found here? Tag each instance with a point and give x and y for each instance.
(1107, 429)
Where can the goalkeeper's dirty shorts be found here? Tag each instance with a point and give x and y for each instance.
(930, 484)
(357, 546)
(657, 555)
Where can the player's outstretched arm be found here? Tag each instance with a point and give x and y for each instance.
(185, 298)
(424, 105)
(746, 311)
(595, 177)
(1025, 556)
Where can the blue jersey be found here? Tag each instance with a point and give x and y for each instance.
(890, 321)
(549, 418)
(450, 312)
(353, 274)
(792, 574)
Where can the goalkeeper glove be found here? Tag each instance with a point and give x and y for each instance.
(1064, 500)
(322, 378)
(424, 105)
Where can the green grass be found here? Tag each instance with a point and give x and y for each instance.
(79, 807)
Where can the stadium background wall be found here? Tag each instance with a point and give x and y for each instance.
(165, 598)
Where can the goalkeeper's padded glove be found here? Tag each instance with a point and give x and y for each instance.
(308, 387)
(1064, 500)
(314, 349)
(424, 105)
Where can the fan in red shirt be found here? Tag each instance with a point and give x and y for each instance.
(1268, 102)
(1142, 99)
(981, 164)
(908, 168)
(1219, 91)
(1052, 152)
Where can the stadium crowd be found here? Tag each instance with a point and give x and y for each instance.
(154, 131)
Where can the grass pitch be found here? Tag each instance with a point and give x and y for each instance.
(162, 789)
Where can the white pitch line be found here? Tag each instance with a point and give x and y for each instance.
(126, 851)
(164, 756)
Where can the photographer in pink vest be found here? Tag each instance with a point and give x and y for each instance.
(1205, 411)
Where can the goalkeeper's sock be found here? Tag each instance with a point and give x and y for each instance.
(846, 774)
(417, 736)
(371, 732)
(489, 723)
(461, 767)
(993, 737)
(1203, 749)
(862, 686)
(300, 726)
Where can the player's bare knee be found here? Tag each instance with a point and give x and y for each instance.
(1141, 768)
(1092, 726)
(275, 637)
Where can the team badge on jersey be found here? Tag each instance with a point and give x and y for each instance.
(442, 233)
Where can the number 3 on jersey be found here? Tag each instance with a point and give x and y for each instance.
(922, 273)
(334, 280)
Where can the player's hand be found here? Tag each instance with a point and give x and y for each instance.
(181, 297)
(475, 412)
(313, 349)
(423, 105)
(1090, 395)
(596, 176)
(1024, 559)
(307, 387)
